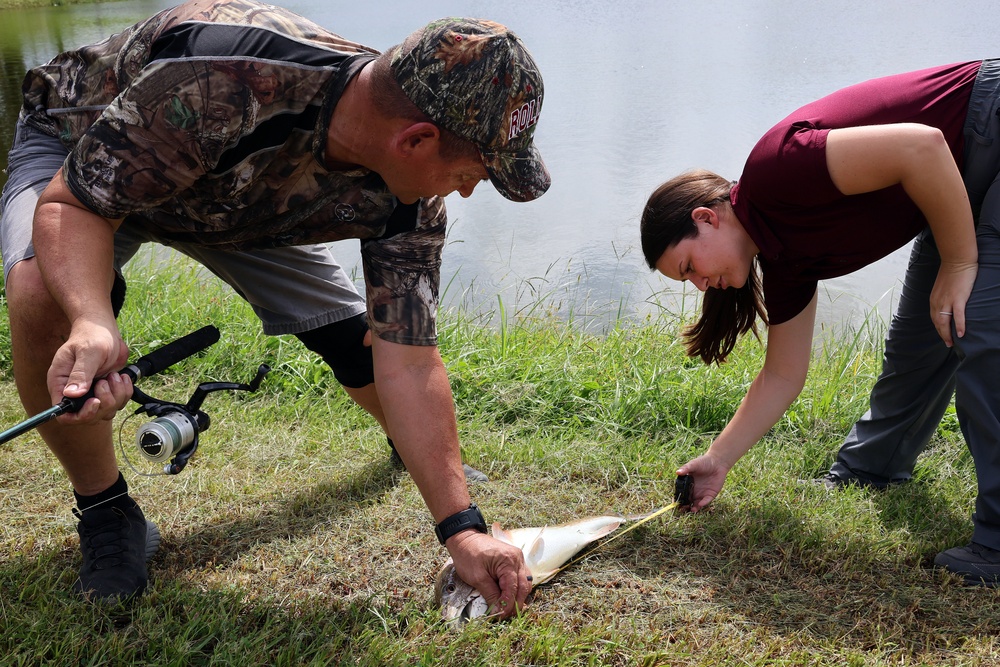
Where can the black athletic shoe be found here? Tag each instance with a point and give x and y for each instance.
(834, 482)
(394, 457)
(472, 475)
(116, 543)
(978, 565)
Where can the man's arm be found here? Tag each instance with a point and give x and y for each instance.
(416, 398)
(74, 248)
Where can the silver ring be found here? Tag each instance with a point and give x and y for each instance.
(944, 312)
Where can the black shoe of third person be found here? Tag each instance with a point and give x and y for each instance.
(471, 474)
(116, 541)
(834, 482)
(977, 564)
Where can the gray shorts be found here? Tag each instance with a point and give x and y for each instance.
(291, 289)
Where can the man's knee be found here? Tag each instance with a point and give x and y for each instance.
(26, 291)
(342, 346)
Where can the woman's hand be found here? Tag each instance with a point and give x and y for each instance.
(948, 298)
(709, 474)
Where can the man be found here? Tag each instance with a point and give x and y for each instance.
(244, 135)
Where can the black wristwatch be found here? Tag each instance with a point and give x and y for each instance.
(456, 523)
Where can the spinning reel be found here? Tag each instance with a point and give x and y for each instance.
(174, 430)
(173, 433)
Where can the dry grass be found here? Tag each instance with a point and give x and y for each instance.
(315, 544)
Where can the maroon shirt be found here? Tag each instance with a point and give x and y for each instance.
(805, 228)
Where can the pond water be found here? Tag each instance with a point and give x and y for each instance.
(636, 91)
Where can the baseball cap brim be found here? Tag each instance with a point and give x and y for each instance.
(519, 176)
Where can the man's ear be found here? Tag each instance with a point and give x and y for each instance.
(416, 139)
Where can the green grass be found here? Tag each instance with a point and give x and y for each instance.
(291, 540)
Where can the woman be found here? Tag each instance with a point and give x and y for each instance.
(833, 187)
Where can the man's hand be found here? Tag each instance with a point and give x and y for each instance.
(91, 352)
(494, 568)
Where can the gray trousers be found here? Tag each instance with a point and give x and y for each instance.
(919, 374)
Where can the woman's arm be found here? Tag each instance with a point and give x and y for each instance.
(777, 384)
(863, 159)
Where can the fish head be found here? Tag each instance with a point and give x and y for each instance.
(459, 601)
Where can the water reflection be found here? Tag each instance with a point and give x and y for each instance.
(635, 92)
(29, 37)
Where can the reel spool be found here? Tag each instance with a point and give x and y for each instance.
(166, 436)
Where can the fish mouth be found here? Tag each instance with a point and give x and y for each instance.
(456, 616)
(460, 602)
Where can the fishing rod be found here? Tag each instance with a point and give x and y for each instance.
(174, 430)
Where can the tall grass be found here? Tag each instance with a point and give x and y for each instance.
(292, 540)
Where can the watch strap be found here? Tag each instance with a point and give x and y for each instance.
(459, 521)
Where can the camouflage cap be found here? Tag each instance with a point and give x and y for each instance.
(476, 78)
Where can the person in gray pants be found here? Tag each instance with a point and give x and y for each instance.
(834, 186)
(912, 392)
(919, 373)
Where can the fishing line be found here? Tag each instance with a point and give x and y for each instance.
(121, 446)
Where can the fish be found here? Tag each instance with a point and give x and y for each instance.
(546, 549)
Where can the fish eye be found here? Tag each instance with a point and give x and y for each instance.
(450, 588)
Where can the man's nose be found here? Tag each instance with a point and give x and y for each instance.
(466, 190)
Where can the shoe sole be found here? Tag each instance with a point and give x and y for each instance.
(854, 482)
(973, 580)
(968, 578)
(473, 476)
(152, 539)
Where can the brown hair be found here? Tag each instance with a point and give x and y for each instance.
(666, 221)
(393, 102)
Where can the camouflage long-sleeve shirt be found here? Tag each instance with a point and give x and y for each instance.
(207, 123)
